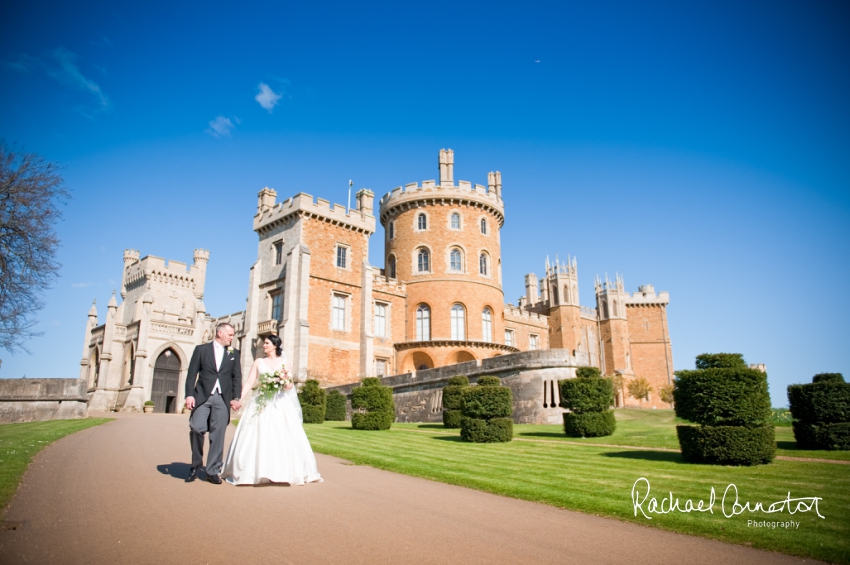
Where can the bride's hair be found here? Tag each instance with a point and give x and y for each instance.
(277, 342)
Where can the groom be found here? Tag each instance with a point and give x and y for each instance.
(218, 372)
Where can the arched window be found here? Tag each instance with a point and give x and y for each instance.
(456, 260)
(568, 296)
(458, 322)
(455, 221)
(482, 264)
(484, 226)
(423, 323)
(604, 309)
(166, 376)
(487, 325)
(391, 267)
(614, 308)
(422, 222)
(423, 260)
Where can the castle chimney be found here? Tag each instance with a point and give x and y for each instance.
(498, 179)
(265, 200)
(131, 256)
(365, 199)
(447, 165)
(531, 289)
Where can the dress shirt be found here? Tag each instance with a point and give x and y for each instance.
(219, 358)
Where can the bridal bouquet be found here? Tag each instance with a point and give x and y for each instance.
(269, 385)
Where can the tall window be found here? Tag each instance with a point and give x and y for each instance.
(277, 306)
(380, 367)
(422, 222)
(533, 342)
(484, 226)
(380, 319)
(278, 252)
(455, 221)
(392, 230)
(458, 323)
(341, 256)
(338, 320)
(391, 265)
(455, 260)
(424, 262)
(423, 323)
(509, 337)
(482, 264)
(487, 325)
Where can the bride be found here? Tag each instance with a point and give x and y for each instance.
(270, 444)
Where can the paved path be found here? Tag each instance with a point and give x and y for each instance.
(115, 494)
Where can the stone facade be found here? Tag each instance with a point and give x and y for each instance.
(437, 302)
(35, 400)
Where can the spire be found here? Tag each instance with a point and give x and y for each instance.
(93, 309)
(112, 302)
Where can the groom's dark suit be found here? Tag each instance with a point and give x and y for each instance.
(212, 411)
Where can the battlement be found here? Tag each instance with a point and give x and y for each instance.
(156, 270)
(646, 296)
(589, 313)
(605, 286)
(383, 283)
(521, 315)
(271, 215)
(429, 192)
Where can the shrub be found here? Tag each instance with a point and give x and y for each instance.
(666, 393)
(722, 396)
(489, 381)
(375, 405)
(453, 401)
(588, 373)
(148, 402)
(451, 418)
(313, 402)
(460, 380)
(727, 445)
(589, 424)
(586, 394)
(720, 361)
(731, 404)
(487, 431)
(821, 410)
(781, 417)
(486, 412)
(639, 388)
(335, 407)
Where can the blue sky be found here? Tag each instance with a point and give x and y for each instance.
(699, 147)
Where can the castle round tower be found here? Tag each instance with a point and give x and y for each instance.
(442, 241)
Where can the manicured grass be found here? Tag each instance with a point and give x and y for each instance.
(19, 443)
(599, 480)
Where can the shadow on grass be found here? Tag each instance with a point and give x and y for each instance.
(792, 445)
(432, 427)
(176, 470)
(667, 456)
(448, 438)
(560, 435)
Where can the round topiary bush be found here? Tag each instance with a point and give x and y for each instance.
(486, 412)
(335, 407)
(488, 381)
(727, 445)
(731, 404)
(589, 398)
(821, 412)
(313, 402)
(374, 405)
(453, 401)
(589, 424)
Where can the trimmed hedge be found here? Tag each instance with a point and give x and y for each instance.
(453, 400)
(335, 407)
(734, 396)
(451, 418)
(821, 410)
(486, 431)
(731, 404)
(720, 361)
(586, 394)
(822, 436)
(313, 402)
(377, 402)
(588, 373)
(589, 424)
(486, 412)
(460, 380)
(727, 445)
(489, 381)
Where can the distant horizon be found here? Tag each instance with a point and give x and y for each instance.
(701, 148)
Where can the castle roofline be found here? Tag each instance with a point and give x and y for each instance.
(429, 192)
(303, 204)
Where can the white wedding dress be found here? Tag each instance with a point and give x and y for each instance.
(271, 446)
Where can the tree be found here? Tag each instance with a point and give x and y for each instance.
(666, 393)
(31, 193)
(619, 384)
(639, 388)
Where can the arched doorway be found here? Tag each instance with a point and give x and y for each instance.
(166, 374)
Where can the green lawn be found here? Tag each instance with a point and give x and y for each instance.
(19, 443)
(578, 475)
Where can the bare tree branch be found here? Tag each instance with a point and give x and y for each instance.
(31, 194)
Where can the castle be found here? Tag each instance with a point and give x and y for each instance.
(438, 301)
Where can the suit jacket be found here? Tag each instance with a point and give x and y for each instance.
(202, 374)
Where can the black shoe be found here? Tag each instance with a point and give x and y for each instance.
(214, 479)
(193, 474)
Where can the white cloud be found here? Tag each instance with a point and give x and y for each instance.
(69, 73)
(81, 285)
(221, 126)
(267, 97)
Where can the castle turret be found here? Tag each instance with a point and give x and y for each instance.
(266, 200)
(561, 293)
(447, 165)
(131, 256)
(531, 289)
(365, 201)
(611, 298)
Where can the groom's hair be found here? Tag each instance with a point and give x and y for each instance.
(221, 326)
